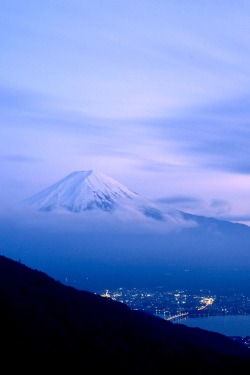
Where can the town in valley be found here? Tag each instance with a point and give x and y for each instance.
(178, 304)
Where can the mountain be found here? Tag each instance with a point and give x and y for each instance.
(46, 325)
(87, 190)
(108, 236)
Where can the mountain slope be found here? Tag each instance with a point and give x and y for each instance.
(89, 192)
(47, 325)
(86, 190)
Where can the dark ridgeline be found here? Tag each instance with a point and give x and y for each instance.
(47, 326)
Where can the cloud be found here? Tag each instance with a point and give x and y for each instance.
(208, 137)
(221, 207)
(18, 158)
(245, 219)
(114, 65)
(183, 203)
(178, 199)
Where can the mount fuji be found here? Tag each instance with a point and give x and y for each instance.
(91, 230)
(87, 190)
(94, 194)
(97, 196)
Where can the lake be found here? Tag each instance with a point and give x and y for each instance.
(229, 325)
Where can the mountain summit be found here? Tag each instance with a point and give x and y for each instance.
(87, 190)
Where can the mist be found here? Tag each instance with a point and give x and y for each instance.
(98, 252)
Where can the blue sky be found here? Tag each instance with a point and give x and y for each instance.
(155, 94)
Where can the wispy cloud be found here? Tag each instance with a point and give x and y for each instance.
(178, 199)
(18, 158)
(155, 95)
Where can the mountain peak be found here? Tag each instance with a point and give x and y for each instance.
(84, 173)
(87, 190)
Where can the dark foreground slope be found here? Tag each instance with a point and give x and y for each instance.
(46, 325)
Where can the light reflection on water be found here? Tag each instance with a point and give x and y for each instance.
(229, 325)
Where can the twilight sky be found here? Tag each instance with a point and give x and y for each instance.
(155, 94)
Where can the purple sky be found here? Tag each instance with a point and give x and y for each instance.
(155, 94)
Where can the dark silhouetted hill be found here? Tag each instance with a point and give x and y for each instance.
(47, 326)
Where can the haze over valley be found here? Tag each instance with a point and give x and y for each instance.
(92, 232)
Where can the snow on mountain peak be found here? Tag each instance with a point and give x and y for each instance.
(86, 190)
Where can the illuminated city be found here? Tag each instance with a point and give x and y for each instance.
(180, 304)
(173, 303)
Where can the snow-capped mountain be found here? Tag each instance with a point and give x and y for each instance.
(87, 190)
(90, 228)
